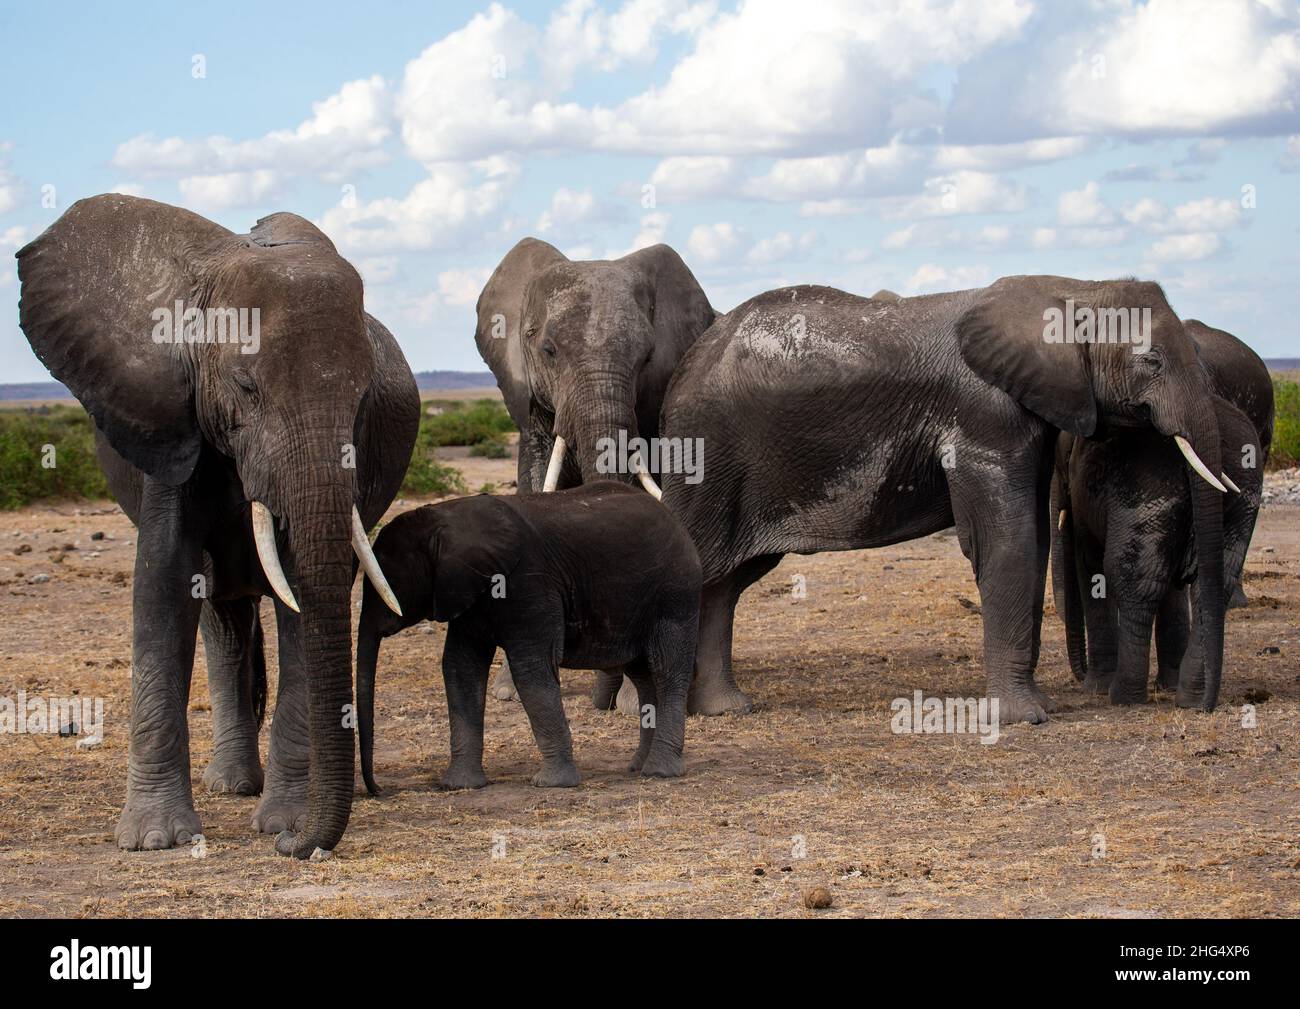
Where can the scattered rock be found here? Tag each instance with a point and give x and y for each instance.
(817, 899)
(1270, 650)
(23, 548)
(1256, 695)
(97, 536)
(39, 579)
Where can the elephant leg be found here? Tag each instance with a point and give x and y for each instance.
(1173, 625)
(647, 701)
(1065, 583)
(1103, 640)
(605, 689)
(714, 691)
(159, 810)
(669, 660)
(503, 686)
(232, 642)
(538, 684)
(284, 798)
(466, 662)
(1135, 619)
(1006, 538)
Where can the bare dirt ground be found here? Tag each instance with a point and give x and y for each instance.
(1198, 814)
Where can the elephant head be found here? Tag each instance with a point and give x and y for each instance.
(441, 559)
(183, 340)
(1089, 355)
(583, 350)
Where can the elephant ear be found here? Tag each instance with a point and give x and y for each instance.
(476, 540)
(1002, 337)
(674, 299)
(90, 285)
(387, 423)
(288, 229)
(500, 308)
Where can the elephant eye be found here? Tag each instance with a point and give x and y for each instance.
(244, 379)
(1151, 362)
(548, 348)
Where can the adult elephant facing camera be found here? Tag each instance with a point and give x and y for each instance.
(581, 351)
(836, 422)
(256, 462)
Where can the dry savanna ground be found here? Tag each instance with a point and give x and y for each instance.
(1197, 814)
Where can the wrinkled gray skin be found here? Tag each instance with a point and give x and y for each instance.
(584, 349)
(829, 417)
(596, 577)
(1123, 507)
(189, 435)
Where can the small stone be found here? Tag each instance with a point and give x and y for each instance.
(23, 548)
(1270, 650)
(40, 579)
(817, 899)
(97, 536)
(320, 855)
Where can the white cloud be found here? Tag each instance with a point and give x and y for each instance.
(711, 243)
(344, 134)
(963, 192)
(376, 270)
(11, 240)
(462, 287)
(1290, 159)
(780, 247)
(1083, 208)
(455, 205)
(230, 189)
(128, 189)
(1205, 215)
(568, 208)
(652, 230)
(681, 179)
(1185, 248)
(930, 278)
(11, 187)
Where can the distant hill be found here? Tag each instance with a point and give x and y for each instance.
(1283, 363)
(428, 381)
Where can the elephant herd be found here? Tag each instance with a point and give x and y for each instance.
(1039, 416)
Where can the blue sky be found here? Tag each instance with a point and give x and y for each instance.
(922, 146)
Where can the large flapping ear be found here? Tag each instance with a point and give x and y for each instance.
(1003, 338)
(387, 424)
(288, 229)
(476, 540)
(91, 283)
(676, 303)
(500, 307)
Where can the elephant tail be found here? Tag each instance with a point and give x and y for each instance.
(367, 660)
(259, 672)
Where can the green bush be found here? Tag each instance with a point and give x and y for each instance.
(426, 475)
(24, 435)
(1286, 423)
(495, 449)
(460, 423)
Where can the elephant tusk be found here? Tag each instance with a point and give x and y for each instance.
(1194, 461)
(1231, 486)
(264, 538)
(647, 481)
(1060, 520)
(370, 563)
(553, 468)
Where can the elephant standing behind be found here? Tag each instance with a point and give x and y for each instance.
(582, 350)
(843, 422)
(1123, 507)
(250, 467)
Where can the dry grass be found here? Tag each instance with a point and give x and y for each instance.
(1199, 815)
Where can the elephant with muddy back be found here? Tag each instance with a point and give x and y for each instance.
(836, 422)
(584, 350)
(252, 463)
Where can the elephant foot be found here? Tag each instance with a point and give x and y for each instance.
(661, 764)
(1190, 697)
(240, 774)
(1095, 683)
(1045, 702)
(606, 689)
(717, 695)
(1022, 706)
(503, 687)
(462, 776)
(149, 824)
(280, 812)
(557, 774)
(628, 701)
(1126, 695)
(1167, 679)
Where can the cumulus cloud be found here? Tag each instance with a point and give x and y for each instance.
(11, 240)
(711, 243)
(1185, 248)
(780, 247)
(698, 178)
(568, 208)
(230, 189)
(963, 192)
(930, 277)
(11, 187)
(1081, 208)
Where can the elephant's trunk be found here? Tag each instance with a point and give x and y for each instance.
(601, 428)
(320, 538)
(368, 641)
(1207, 526)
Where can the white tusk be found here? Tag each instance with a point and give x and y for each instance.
(1231, 486)
(1060, 521)
(264, 538)
(1194, 461)
(370, 563)
(553, 468)
(647, 481)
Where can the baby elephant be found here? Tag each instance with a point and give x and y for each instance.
(597, 577)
